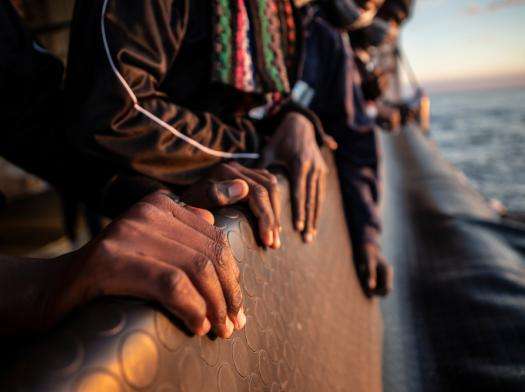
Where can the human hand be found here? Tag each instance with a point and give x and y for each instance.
(294, 145)
(376, 275)
(229, 183)
(165, 252)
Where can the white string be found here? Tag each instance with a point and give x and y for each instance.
(151, 116)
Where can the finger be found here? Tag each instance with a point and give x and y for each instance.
(220, 287)
(229, 277)
(160, 206)
(270, 182)
(144, 277)
(259, 202)
(206, 215)
(385, 278)
(203, 274)
(371, 272)
(321, 194)
(299, 175)
(330, 142)
(311, 198)
(192, 254)
(225, 193)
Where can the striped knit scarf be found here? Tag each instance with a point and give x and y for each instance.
(255, 44)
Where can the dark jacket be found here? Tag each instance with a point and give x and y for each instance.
(32, 110)
(329, 68)
(139, 85)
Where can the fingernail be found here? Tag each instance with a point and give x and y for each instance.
(372, 284)
(229, 327)
(299, 225)
(269, 238)
(277, 242)
(308, 237)
(280, 229)
(241, 319)
(236, 190)
(204, 328)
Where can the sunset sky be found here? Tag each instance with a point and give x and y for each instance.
(453, 40)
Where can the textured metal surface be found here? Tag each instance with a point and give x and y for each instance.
(456, 320)
(309, 328)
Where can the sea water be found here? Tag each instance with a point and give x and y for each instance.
(483, 134)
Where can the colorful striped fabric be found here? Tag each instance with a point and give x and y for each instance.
(255, 44)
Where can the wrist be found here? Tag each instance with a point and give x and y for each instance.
(67, 288)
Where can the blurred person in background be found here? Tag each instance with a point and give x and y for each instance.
(332, 89)
(377, 53)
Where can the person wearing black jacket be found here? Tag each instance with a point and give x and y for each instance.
(331, 74)
(169, 89)
(159, 249)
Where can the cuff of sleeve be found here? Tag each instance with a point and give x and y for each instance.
(122, 191)
(268, 125)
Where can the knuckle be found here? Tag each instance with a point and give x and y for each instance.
(236, 298)
(147, 211)
(273, 187)
(175, 284)
(220, 237)
(259, 191)
(124, 228)
(218, 252)
(202, 267)
(221, 314)
(156, 197)
(107, 248)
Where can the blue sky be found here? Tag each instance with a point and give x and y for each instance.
(466, 39)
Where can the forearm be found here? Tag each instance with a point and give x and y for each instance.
(357, 160)
(28, 292)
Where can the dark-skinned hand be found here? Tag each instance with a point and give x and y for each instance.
(294, 145)
(375, 273)
(389, 120)
(229, 183)
(159, 250)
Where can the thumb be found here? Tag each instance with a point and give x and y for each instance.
(225, 193)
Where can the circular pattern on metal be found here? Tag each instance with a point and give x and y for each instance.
(190, 371)
(169, 335)
(139, 359)
(229, 213)
(237, 246)
(226, 379)
(261, 315)
(98, 381)
(256, 385)
(252, 334)
(265, 368)
(241, 357)
(247, 235)
(249, 281)
(166, 388)
(209, 350)
(106, 320)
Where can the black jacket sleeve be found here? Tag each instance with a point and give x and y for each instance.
(121, 53)
(32, 114)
